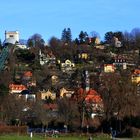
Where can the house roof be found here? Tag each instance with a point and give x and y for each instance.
(24, 92)
(17, 87)
(90, 95)
(111, 65)
(28, 74)
(50, 106)
(136, 71)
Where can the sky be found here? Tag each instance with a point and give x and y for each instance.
(50, 17)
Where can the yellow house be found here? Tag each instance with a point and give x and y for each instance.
(97, 40)
(109, 68)
(67, 63)
(136, 76)
(67, 66)
(83, 56)
(67, 93)
(43, 95)
(54, 79)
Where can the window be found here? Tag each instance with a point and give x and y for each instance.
(11, 36)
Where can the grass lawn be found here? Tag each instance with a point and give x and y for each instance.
(16, 137)
(27, 137)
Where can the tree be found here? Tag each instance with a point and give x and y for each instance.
(135, 33)
(68, 111)
(120, 99)
(56, 46)
(108, 37)
(77, 41)
(118, 35)
(4, 90)
(30, 43)
(40, 115)
(54, 42)
(25, 56)
(69, 35)
(63, 37)
(66, 35)
(83, 107)
(43, 78)
(127, 40)
(36, 40)
(12, 108)
(83, 36)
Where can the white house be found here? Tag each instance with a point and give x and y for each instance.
(12, 34)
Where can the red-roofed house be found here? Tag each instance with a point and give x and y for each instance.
(28, 74)
(28, 79)
(50, 106)
(15, 88)
(91, 97)
(136, 76)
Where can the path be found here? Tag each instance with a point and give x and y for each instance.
(123, 139)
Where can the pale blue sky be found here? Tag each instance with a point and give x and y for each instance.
(50, 17)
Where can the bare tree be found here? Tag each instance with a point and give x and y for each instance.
(40, 114)
(12, 109)
(119, 96)
(68, 111)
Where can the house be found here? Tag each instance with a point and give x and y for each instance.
(117, 42)
(43, 95)
(15, 88)
(12, 35)
(50, 106)
(83, 56)
(49, 58)
(101, 47)
(120, 62)
(96, 100)
(54, 79)
(27, 95)
(27, 75)
(91, 98)
(28, 79)
(109, 68)
(94, 40)
(66, 93)
(23, 46)
(136, 76)
(67, 66)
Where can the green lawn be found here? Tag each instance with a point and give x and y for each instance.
(16, 137)
(27, 137)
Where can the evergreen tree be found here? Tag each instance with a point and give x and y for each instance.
(83, 36)
(109, 36)
(66, 35)
(63, 38)
(69, 35)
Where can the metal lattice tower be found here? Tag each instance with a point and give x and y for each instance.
(3, 57)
